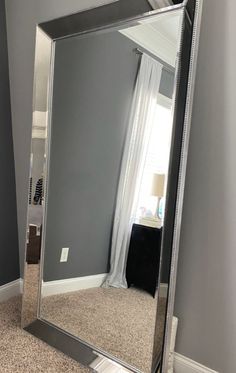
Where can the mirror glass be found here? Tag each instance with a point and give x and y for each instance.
(105, 190)
(38, 169)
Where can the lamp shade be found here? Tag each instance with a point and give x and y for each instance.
(158, 184)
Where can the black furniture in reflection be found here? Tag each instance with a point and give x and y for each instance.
(144, 258)
(33, 245)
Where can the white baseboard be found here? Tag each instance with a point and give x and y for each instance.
(103, 364)
(183, 364)
(11, 289)
(80, 283)
(72, 284)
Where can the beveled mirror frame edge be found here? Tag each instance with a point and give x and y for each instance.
(181, 183)
(182, 179)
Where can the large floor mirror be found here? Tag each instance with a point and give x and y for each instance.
(111, 118)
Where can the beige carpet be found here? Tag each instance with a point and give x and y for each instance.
(22, 353)
(119, 321)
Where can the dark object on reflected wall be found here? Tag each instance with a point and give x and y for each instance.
(38, 196)
(144, 258)
(30, 190)
(33, 245)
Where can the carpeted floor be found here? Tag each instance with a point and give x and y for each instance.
(22, 353)
(119, 321)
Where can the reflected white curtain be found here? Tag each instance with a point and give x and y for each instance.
(135, 150)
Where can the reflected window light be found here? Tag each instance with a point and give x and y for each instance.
(157, 161)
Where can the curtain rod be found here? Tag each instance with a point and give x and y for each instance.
(167, 66)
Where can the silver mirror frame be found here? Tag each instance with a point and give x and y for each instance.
(116, 14)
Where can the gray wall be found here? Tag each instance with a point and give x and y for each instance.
(94, 80)
(22, 17)
(9, 255)
(206, 295)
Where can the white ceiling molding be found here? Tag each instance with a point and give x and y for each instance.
(153, 41)
(156, 37)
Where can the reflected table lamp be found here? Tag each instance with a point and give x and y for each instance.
(158, 185)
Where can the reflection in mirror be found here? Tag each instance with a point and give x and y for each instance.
(37, 176)
(111, 132)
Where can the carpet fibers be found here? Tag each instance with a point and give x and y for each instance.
(125, 338)
(22, 353)
(119, 321)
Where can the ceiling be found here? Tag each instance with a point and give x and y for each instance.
(159, 36)
(168, 25)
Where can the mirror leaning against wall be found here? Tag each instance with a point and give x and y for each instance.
(112, 102)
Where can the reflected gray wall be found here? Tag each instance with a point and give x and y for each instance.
(167, 83)
(9, 255)
(22, 18)
(205, 297)
(93, 89)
